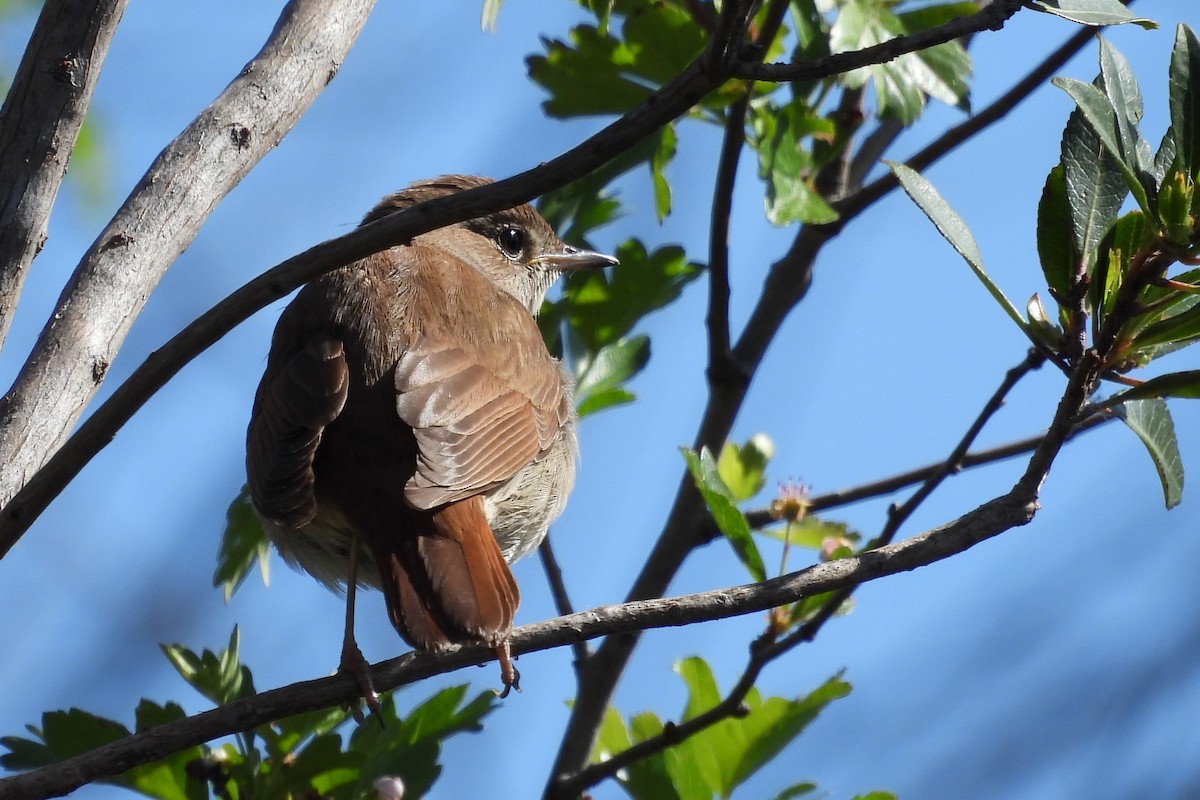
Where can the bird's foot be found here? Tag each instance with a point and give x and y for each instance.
(354, 663)
(509, 675)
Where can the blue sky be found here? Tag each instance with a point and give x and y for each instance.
(1061, 659)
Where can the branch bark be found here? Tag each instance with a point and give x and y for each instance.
(39, 124)
(159, 220)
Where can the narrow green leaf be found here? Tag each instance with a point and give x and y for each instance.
(1093, 12)
(1181, 327)
(729, 519)
(243, 544)
(955, 231)
(663, 154)
(1099, 113)
(1184, 384)
(1184, 77)
(1055, 237)
(1151, 421)
(797, 790)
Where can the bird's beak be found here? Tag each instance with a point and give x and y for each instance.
(569, 259)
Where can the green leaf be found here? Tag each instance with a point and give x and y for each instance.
(243, 544)
(1055, 236)
(583, 77)
(1097, 110)
(1093, 12)
(1151, 421)
(784, 137)
(811, 532)
(955, 231)
(797, 790)
(1094, 186)
(743, 469)
(875, 796)
(1184, 76)
(1184, 384)
(411, 748)
(218, 676)
(776, 722)
(1179, 328)
(711, 754)
(663, 153)
(1120, 86)
(600, 383)
(649, 778)
(901, 84)
(601, 309)
(1114, 259)
(721, 506)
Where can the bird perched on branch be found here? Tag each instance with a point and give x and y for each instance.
(412, 432)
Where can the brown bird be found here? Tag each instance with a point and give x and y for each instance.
(412, 423)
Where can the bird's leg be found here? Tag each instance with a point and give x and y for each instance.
(508, 673)
(352, 658)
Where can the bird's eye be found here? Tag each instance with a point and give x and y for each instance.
(511, 240)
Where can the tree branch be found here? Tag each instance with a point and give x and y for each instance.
(159, 220)
(39, 124)
(991, 18)
(990, 519)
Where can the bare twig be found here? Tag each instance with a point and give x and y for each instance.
(558, 590)
(39, 124)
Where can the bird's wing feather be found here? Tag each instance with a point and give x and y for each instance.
(475, 426)
(293, 406)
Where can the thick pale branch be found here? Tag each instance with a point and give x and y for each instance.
(987, 521)
(39, 124)
(159, 220)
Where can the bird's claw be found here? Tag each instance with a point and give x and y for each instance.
(355, 664)
(509, 675)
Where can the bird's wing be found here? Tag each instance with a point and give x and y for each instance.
(475, 426)
(294, 404)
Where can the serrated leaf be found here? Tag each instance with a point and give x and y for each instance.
(728, 518)
(600, 384)
(776, 723)
(1151, 421)
(955, 231)
(243, 544)
(601, 309)
(1094, 12)
(1184, 100)
(811, 532)
(743, 468)
(217, 676)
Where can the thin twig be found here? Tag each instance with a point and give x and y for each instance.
(558, 590)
